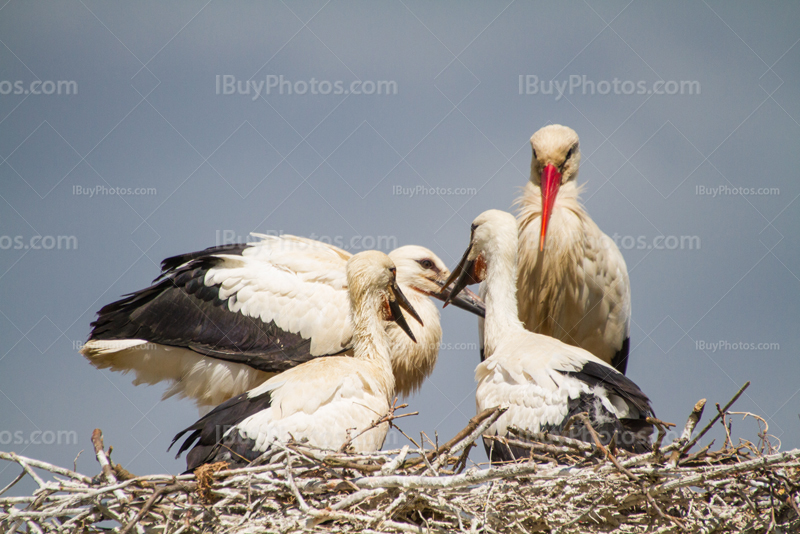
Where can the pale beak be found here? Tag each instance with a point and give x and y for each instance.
(466, 299)
(463, 275)
(395, 304)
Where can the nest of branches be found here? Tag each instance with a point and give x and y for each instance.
(565, 486)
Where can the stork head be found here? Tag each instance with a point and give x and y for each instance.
(493, 238)
(372, 281)
(555, 161)
(418, 268)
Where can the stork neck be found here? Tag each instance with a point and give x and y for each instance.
(501, 299)
(371, 340)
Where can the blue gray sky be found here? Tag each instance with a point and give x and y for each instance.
(687, 112)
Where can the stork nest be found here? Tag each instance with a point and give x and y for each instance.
(565, 486)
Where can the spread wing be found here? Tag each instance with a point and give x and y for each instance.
(269, 305)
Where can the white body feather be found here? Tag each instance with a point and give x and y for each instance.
(525, 371)
(525, 374)
(576, 290)
(328, 401)
(325, 401)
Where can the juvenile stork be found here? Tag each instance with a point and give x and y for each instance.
(325, 400)
(573, 283)
(542, 381)
(221, 321)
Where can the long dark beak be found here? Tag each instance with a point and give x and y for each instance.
(461, 277)
(400, 301)
(466, 300)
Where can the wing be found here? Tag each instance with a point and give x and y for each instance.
(540, 358)
(609, 297)
(270, 305)
(323, 401)
(545, 382)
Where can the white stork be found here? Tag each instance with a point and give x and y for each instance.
(221, 321)
(542, 380)
(325, 400)
(573, 283)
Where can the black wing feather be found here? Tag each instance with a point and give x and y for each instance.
(180, 310)
(596, 374)
(208, 441)
(633, 435)
(620, 359)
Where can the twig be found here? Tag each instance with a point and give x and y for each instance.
(13, 482)
(97, 441)
(714, 420)
(388, 418)
(149, 504)
(694, 418)
(46, 466)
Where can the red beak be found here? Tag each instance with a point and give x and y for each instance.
(551, 180)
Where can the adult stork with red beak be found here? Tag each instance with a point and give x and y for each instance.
(573, 283)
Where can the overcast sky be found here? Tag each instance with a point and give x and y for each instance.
(687, 113)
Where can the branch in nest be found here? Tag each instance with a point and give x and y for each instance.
(105, 465)
(576, 444)
(465, 437)
(694, 418)
(714, 420)
(388, 418)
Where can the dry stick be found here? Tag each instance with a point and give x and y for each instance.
(467, 431)
(388, 418)
(28, 470)
(584, 418)
(44, 465)
(727, 427)
(663, 514)
(454, 481)
(424, 455)
(13, 482)
(762, 462)
(97, 441)
(467, 436)
(694, 418)
(662, 426)
(714, 420)
(762, 434)
(390, 467)
(149, 504)
(502, 440)
(328, 514)
(576, 444)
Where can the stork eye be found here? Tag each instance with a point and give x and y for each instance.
(426, 264)
(569, 154)
(534, 154)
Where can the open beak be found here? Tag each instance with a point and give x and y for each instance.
(466, 299)
(551, 180)
(395, 304)
(463, 275)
